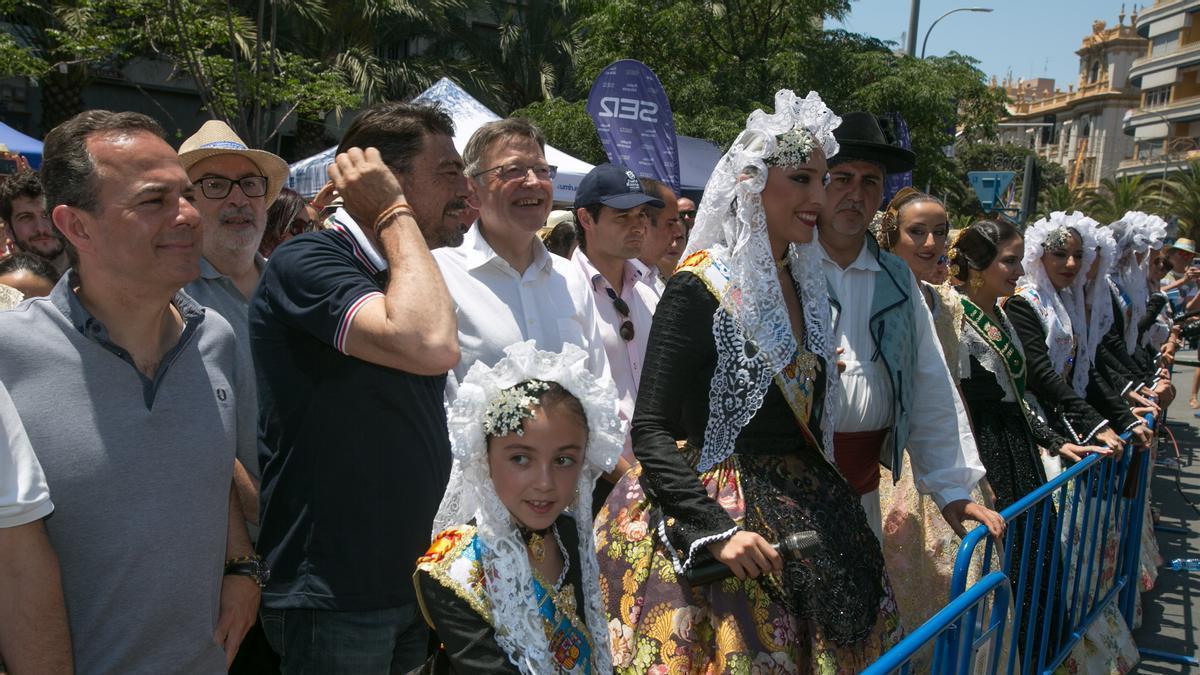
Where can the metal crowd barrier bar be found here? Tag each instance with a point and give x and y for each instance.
(958, 621)
(1072, 547)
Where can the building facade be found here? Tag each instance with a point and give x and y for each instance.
(1166, 124)
(1082, 128)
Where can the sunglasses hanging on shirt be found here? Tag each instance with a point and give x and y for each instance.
(622, 309)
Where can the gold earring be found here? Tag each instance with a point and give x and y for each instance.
(975, 280)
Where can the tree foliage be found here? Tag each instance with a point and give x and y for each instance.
(718, 61)
(987, 156)
(1116, 196)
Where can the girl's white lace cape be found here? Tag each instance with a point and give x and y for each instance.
(731, 226)
(470, 495)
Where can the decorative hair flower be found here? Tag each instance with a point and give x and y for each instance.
(792, 148)
(508, 411)
(1058, 239)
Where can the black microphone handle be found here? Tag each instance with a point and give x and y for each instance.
(795, 545)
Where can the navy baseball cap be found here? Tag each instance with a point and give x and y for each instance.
(613, 186)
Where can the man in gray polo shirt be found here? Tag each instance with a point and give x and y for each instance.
(234, 186)
(128, 390)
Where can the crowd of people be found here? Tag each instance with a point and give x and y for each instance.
(424, 423)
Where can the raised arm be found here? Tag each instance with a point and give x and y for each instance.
(412, 326)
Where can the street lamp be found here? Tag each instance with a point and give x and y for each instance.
(935, 22)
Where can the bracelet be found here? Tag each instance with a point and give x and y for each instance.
(401, 208)
(243, 559)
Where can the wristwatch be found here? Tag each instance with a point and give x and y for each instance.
(252, 566)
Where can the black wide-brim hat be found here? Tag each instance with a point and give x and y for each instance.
(861, 137)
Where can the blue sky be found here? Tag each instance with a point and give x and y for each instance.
(1032, 38)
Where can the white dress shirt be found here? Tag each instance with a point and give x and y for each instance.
(625, 359)
(496, 306)
(941, 447)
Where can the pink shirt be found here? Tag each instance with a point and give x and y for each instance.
(625, 358)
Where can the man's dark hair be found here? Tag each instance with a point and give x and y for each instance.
(68, 169)
(31, 263)
(23, 184)
(397, 131)
(593, 211)
(652, 186)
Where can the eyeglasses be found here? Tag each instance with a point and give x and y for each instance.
(509, 173)
(688, 215)
(626, 329)
(301, 225)
(216, 187)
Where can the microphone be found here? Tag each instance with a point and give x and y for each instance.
(794, 546)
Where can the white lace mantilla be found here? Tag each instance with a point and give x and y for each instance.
(1092, 301)
(471, 495)
(1058, 318)
(751, 327)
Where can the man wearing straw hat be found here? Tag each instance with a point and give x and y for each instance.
(234, 185)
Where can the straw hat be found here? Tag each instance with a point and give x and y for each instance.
(216, 138)
(1185, 245)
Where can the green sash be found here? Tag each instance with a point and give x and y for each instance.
(999, 341)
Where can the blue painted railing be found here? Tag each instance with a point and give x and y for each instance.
(959, 621)
(1054, 562)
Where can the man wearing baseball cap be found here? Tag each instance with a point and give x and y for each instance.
(610, 211)
(234, 185)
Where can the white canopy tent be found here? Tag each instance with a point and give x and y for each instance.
(308, 175)
(697, 157)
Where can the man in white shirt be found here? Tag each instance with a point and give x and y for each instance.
(507, 287)
(611, 211)
(34, 636)
(896, 390)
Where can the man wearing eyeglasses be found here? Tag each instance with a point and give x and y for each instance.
(234, 185)
(507, 287)
(612, 218)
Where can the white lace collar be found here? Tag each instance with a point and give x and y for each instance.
(471, 495)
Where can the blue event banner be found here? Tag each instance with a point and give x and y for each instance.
(899, 136)
(633, 119)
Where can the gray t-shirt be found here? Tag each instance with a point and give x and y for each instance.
(140, 470)
(217, 291)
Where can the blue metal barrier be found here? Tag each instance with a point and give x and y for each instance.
(1054, 556)
(959, 622)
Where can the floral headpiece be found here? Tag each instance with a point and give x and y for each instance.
(792, 148)
(508, 411)
(1058, 239)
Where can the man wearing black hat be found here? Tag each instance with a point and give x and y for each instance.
(610, 211)
(888, 345)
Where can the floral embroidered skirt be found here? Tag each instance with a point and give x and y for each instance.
(659, 623)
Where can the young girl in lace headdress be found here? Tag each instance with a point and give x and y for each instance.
(509, 583)
(739, 361)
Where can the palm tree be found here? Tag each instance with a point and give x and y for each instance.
(1183, 198)
(1061, 198)
(1116, 196)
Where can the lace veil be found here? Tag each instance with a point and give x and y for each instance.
(1056, 310)
(1136, 233)
(470, 495)
(1096, 296)
(751, 327)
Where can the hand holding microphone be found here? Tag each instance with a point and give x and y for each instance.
(746, 555)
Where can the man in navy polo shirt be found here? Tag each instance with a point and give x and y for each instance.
(353, 331)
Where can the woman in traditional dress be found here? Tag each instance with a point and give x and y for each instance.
(510, 582)
(739, 362)
(919, 546)
(986, 258)
(1055, 265)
